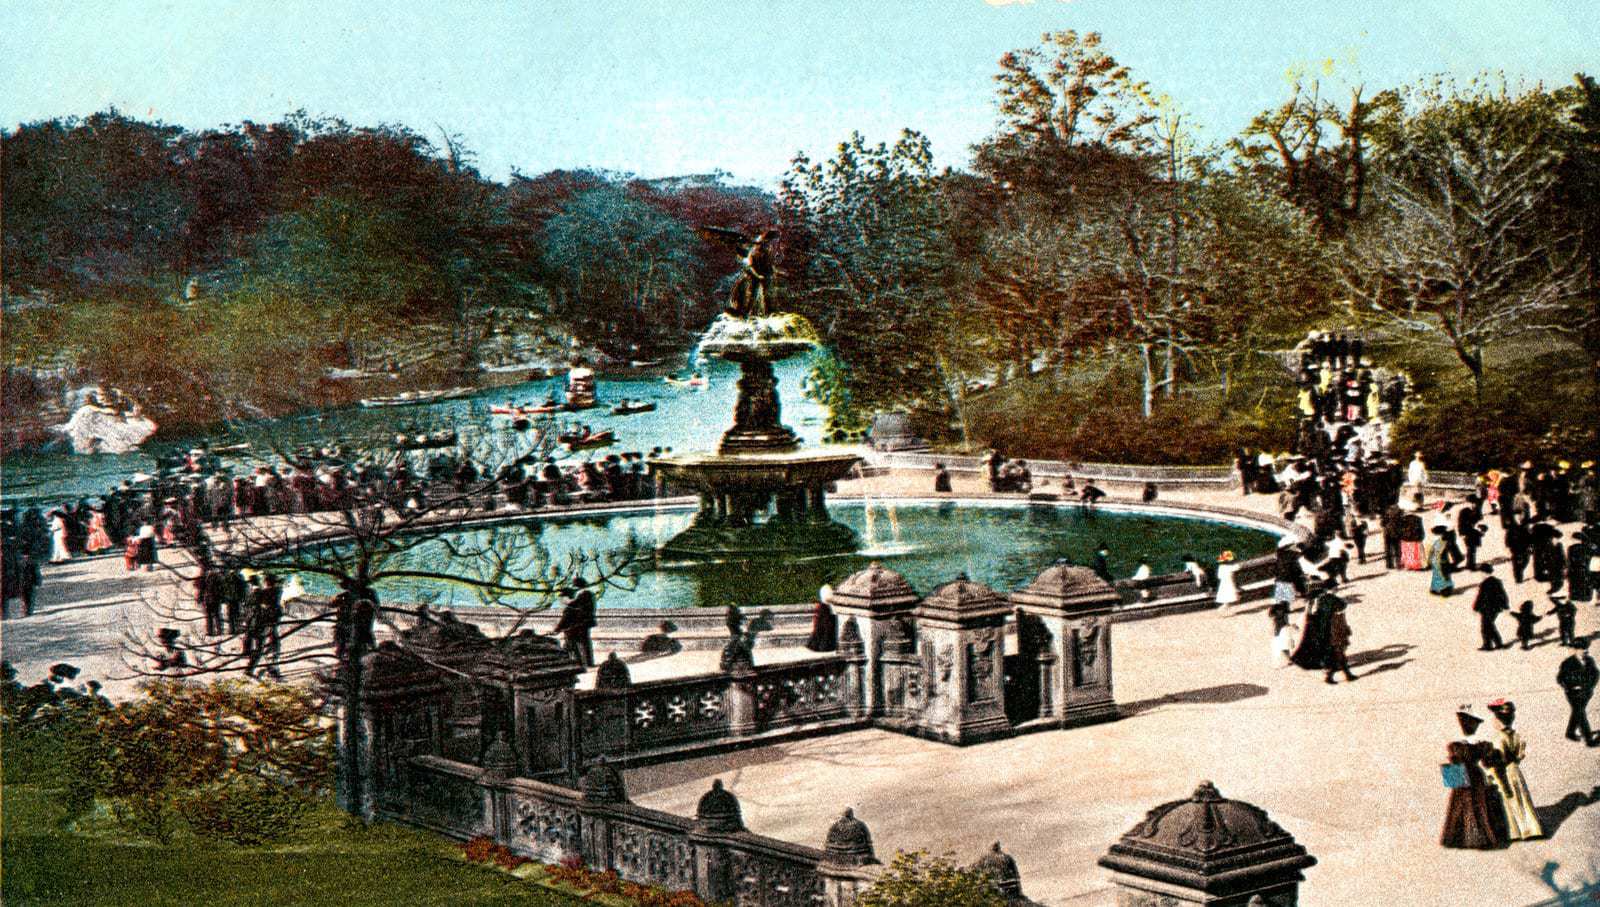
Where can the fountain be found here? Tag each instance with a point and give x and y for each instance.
(760, 494)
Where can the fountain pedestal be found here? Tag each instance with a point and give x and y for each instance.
(760, 495)
(756, 426)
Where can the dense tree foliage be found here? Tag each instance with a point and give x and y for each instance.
(223, 273)
(1096, 255)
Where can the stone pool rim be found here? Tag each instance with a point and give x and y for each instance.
(1275, 526)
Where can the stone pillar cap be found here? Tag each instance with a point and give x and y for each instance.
(718, 811)
(1208, 843)
(849, 843)
(875, 589)
(963, 600)
(1067, 587)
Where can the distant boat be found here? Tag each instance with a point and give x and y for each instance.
(572, 440)
(580, 388)
(511, 409)
(629, 407)
(696, 382)
(414, 398)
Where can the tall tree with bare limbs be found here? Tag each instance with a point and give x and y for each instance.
(1467, 249)
(363, 541)
(1314, 150)
(1063, 106)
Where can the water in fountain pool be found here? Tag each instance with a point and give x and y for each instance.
(1002, 544)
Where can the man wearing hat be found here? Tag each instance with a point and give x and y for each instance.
(1491, 601)
(577, 619)
(1578, 676)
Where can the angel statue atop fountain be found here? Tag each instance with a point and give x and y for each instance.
(752, 285)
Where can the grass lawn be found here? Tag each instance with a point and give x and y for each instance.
(328, 863)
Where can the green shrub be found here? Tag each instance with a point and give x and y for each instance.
(1545, 421)
(51, 735)
(1101, 421)
(245, 810)
(235, 761)
(917, 880)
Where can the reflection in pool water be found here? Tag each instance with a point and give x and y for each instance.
(929, 542)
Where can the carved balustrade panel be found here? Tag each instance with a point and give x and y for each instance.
(801, 693)
(547, 830)
(446, 800)
(678, 713)
(762, 881)
(659, 857)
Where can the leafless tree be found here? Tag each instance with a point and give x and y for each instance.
(350, 542)
(1464, 251)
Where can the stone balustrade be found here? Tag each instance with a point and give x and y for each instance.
(676, 717)
(712, 854)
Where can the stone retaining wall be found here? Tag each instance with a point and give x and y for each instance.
(1114, 473)
(551, 823)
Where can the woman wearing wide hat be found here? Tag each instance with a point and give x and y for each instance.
(1474, 817)
(1227, 587)
(1522, 822)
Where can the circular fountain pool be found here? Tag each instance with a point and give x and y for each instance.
(1001, 543)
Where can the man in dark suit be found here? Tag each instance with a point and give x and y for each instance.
(1390, 523)
(1578, 677)
(1491, 601)
(1520, 545)
(577, 619)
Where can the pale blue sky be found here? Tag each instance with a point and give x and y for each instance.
(676, 87)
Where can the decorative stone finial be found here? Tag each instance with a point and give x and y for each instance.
(500, 760)
(849, 843)
(612, 674)
(1002, 870)
(718, 811)
(850, 642)
(602, 783)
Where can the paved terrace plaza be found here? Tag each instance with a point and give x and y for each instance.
(1351, 770)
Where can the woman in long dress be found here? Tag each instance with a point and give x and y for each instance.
(59, 550)
(146, 556)
(1411, 536)
(1522, 822)
(1440, 584)
(1227, 588)
(1580, 585)
(1474, 817)
(1316, 629)
(824, 627)
(99, 540)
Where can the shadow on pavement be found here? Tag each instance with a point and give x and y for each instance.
(1218, 695)
(1552, 815)
(1390, 652)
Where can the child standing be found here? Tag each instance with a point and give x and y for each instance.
(1526, 621)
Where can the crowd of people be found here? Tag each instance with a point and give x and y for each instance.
(197, 488)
